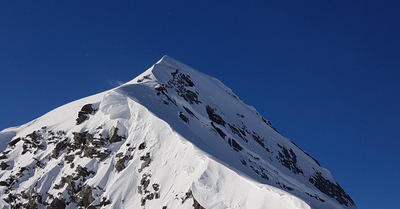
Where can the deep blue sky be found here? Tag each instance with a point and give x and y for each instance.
(326, 74)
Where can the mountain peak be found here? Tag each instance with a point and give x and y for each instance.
(170, 62)
(167, 63)
(166, 58)
(170, 138)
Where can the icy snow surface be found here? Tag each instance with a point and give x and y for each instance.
(172, 137)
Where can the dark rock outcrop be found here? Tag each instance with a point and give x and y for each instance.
(59, 147)
(196, 205)
(142, 145)
(85, 111)
(288, 159)
(235, 145)
(14, 142)
(85, 197)
(3, 165)
(183, 117)
(146, 163)
(114, 137)
(219, 131)
(331, 189)
(270, 125)
(214, 116)
(57, 204)
(120, 165)
(190, 112)
(181, 83)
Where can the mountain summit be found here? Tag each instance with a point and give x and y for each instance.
(170, 138)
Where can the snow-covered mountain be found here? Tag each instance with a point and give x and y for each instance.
(170, 138)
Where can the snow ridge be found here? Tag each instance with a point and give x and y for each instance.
(170, 138)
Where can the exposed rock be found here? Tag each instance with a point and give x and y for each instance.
(333, 190)
(258, 139)
(288, 159)
(34, 137)
(119, 155)
(14, 142)
(83, 171)
(3, 183)
(190, 112)
(120, 165)
(81, 118)
(315, 196)
(104, 202)
(140, 191)
(114, 137)
(182, 78)
(260, 171)
(162, 90)
(71, 184)
(83, 114)
(144, 182)
(103, 155)
(21, 171)
(88, 109)
(237, 132)
(180, 83)
(234, 145)
(146, 163)
(79, 139)
(243, 162)
(3, 165)
(214, 116)
(156, 187)
(84, 198)
(142, 145)
(269, 124)
(32, 142)
(183, 117)
(190, 97)
(150, 196)
(39, 164)
(32, 201)
(59, 147)
(283, 186)
(89, 137)
(188, 195)
(89, 152)
(69, 158)
(219, 131)
(240, 115)
(146, 77)
(196, 205)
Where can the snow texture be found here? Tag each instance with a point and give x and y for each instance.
(170, 138)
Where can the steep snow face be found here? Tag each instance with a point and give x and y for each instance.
(170, 138)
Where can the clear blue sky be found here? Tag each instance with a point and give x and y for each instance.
(325, 73)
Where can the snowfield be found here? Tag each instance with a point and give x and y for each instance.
(170, 138)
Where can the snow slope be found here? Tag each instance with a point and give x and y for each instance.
(170, 138)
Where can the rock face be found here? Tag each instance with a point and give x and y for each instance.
(57, 204)
(84, 113)
(170, 138)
